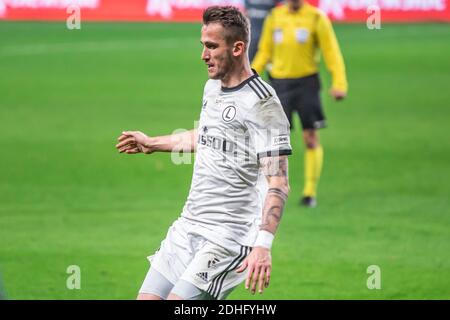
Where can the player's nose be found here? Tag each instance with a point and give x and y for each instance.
(205, 54)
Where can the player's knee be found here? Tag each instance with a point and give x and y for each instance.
(173, 296)
(311, 140)
(148, 296)
(312, 145)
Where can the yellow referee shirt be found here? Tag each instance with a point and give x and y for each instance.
(290, 41)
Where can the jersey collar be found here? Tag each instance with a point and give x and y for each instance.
(242, 84)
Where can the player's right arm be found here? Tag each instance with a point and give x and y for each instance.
(132, 142)
(259, 262)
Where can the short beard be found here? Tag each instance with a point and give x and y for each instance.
(227, 67)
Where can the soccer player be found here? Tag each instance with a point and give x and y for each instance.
(240, 179)
(292, 36)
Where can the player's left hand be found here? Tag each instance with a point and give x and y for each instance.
(338, 94)
(259, 264)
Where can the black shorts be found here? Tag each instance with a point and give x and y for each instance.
(301, 95)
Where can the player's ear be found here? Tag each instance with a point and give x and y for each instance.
(238, 48)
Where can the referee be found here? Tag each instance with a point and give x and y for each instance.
(291, 38)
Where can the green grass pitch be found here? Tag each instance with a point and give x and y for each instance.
(68, 198)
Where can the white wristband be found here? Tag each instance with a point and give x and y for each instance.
(264, 239)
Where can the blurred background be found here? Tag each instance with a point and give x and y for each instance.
(68, 198)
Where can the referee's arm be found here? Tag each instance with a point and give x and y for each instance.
(332, 54)
(265, 47)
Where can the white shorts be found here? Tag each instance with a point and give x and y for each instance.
(186, 256)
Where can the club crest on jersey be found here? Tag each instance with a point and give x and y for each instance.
(228, 114)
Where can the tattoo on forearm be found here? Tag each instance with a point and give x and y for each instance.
(274, 166)
(272, 218)
(276, 169)
(278, 193)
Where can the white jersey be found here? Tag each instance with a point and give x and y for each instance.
(237, 127)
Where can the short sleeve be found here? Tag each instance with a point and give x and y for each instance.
(269, 130)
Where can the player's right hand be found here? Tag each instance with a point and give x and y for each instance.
(259, 265)
(132, 142)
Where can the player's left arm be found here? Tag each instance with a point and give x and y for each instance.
(259, 261)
